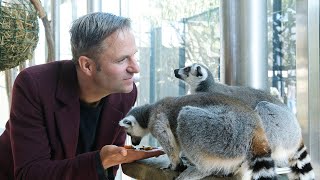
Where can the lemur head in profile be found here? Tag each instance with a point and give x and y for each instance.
(195, 76)
(136, 123)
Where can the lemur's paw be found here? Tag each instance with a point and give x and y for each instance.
(171, 167)
(168, 167)
(165, 168)
(181, 167)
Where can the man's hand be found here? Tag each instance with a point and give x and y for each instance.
(112, 155)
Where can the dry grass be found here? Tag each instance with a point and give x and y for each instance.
(19, 30)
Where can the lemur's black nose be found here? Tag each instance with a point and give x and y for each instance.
(135, 140)
(176, 73)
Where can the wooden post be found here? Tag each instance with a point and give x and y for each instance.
(48, 30)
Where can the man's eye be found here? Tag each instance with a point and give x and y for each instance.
(122, 60)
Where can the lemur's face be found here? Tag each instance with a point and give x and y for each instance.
(133, 129)
(192, 75)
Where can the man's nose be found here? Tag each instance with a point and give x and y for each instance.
(134, 66)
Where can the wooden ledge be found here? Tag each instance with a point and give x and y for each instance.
(152, 169)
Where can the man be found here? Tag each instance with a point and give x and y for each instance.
(64, 115)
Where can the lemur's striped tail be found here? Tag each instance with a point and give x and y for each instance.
(300, 165)
(261, 164)
(263, 168)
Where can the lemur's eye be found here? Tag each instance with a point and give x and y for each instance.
(187, 69)
(127, 122)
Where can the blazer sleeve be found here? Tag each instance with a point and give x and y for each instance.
(30, 145)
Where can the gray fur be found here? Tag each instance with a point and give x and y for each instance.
(215, 132)
(200, 79)
(282, 129)
(228, 127)
(280, 124)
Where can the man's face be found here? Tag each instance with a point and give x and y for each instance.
(117, 64)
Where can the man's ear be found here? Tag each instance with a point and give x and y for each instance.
(86, 65)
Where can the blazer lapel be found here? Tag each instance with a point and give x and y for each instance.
(67, 114)
(67, 121)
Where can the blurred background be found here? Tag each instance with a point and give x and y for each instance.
(271, 45)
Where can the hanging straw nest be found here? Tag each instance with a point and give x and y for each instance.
(19, 30)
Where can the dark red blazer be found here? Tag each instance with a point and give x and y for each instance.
(41, 136)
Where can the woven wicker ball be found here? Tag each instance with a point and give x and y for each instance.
(19, 30)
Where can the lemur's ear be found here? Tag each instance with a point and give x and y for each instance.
(199, 73)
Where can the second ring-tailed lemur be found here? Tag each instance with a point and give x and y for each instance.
(200, 79)
(271, 110)
(217, 133)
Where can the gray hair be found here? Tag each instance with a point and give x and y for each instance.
(89, 31)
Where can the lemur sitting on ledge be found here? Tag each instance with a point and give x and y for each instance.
(280, 124)
(217, 133)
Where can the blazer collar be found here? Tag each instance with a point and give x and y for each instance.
(67, 113)
(68, 87)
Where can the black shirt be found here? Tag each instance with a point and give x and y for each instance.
(89, 120)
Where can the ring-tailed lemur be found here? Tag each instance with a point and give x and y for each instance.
(200, 79)
(217, 133)
(285, 140)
